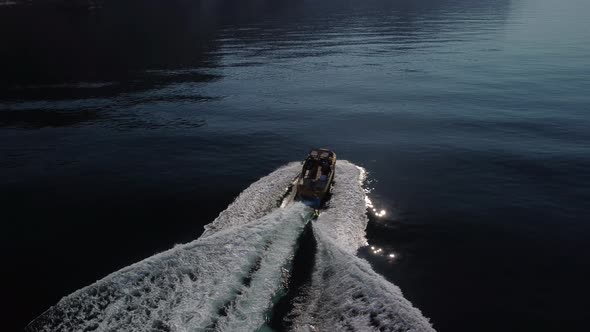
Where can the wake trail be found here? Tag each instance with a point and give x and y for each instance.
(252, 262)
(344, 293)
(185, 288)
(256, 200)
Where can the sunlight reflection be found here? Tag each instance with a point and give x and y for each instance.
(380, 252)
(378, 213)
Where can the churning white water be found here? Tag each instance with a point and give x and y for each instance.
(228, 279)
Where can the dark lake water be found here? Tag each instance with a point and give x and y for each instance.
(125, 129)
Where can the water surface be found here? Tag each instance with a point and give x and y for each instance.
(125, 129)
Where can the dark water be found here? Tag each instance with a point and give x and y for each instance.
(125, 129)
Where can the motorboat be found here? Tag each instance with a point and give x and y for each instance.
(316, 178)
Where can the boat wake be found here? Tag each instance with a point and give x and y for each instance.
(257, 267)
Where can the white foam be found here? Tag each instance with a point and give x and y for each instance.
(345, 218)
(184, 288)
(256, 200)
(247, 312)
(226, 279)
(347, 295)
